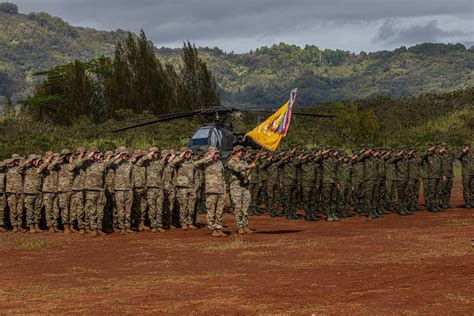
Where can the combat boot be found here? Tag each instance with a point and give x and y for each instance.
(88, 230)
(82, 231)
(215, 233)
(161, 230)
(129, 231)
(241, 231)
(38, 229)
(32, 228)
(221, 233)
(141, 227)
(15, 229)
(66, 229)
(184, 227)
(329, 217)
(94, 233)
(52, 229)
(153, 230)
(248, 230)
(101, 232)
(2, 229)
(192, 227)
(72, 229)
(123, 231)
(272, 213)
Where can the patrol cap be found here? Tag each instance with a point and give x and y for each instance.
(93, 150)
(56, 155)
(185, 149)
(16, 157)
(212, 149)
(165, 152)
(65, 152)
(153, 150)
(123, 150)
(238, 148)
(31, 157)
(109, 153)
(48, 154)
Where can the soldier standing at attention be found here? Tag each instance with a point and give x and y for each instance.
(447, 173)
(308, 184)
(139, 191)
(3, 176)
(467, 173)
(253, 183)
(169, 186)
(414, 180)
(329, 188)
(430, 172)
(110, 211)
(273, 184)
(32, 191)
(370, 183)
(391, 181)
(215, 189)
(14, 192)
(64, 189)
(95, 169)
(185, 189)
(239, 194)
(358, 176)
(154, 183)
(50, 187)
(123, 187)
(78, 194)
(290, 188)
(345, 187)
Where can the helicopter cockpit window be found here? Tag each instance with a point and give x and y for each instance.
(201, 137)
(215, 139)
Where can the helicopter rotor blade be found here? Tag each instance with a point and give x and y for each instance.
(164, 118)
(299, 113)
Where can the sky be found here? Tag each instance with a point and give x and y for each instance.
(243, 25)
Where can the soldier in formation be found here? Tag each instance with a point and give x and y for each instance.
(93, 193)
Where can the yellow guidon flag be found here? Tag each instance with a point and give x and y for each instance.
(270, 132)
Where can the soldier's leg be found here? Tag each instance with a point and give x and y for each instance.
(449, 189)
(326, 201)
(82, 218)
(347, 200)
(192, 207)
(211, 206)
(91, 208)
(120, 203)
(236, 195)
(219, 210)
(252, 187)
(307, 207)
(12, 205)
(143, 206)
(100, 207)
(439, 194)
(369, 199)
(114, 212)
(30, 201)
(471, 192)
(128, 202)
(246, 198)
(152, 207)
(182, 201)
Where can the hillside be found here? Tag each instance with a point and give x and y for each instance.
(38, 41)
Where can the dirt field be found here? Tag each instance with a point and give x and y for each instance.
(419, 264)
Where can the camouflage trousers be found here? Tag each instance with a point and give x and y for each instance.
(289, 198)
(62, 206)
(446, 187)
(51, 211)
(124, 201)
(429, 191)
(77, 211)
(240, 198)
(369, 195)
(379, 195)
(358, 194)
(15, 204)
(95, 204)
(110, 211)
(215, 209)
(329, 197)
(309, 199)
(168, 204)
(33, 208)
(3, 204)
(253, 189)
(272, 196)
(139, 204)
(391, 195)
(186, 199)
(155, 198)
(468, 190)
(403, 192)
(262, 195)
(344, 197)
(413, 193)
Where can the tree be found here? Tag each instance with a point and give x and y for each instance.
(9, 107)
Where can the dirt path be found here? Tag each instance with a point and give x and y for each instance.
(422, 263)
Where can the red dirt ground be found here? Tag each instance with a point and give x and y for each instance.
(419, 264)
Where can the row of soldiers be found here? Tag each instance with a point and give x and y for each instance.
(161, 189)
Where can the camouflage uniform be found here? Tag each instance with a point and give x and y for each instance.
(402, 165)
(289, 189)
(308, 185)
(123, 191)
(215, 189)
(185, 190)
(31, 191)
(344, 170)
(391, 184)
(3, 200)
(14, 192)
(50, 186)
(253, 188)
(370, 186)
(239, 194)
(329, 189)
(169, 191)
(273, 186)
(379, 196)
(263, 176)
(64, 191)
(358, 176)
(446, 182)
(110, 211)
(430, 172)
(77, 208)
(139, 193)
(414, 183)
(467, 173)
(155, 195)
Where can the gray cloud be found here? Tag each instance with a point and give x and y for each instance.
(245, 24)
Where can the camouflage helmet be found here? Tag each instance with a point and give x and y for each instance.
(16, 157)
(65, 152)
(165, 152)
(31, 157)
(123, 150)
(212, 149)
(109, 153)
(238, 148)
(185, 149)
(153, 150)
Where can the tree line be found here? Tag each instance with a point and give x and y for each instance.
(134, 81)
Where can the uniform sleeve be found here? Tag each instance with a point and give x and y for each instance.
(202, 163)
(235, 166)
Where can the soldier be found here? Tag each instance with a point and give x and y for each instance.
(345, 187)
(371, 178)
(430, 167)
(273, 184)
(414, 180)
(110, 211)
(123, 187)
(254, 180)
(64, 190)
(239, 194)
(95, 169)
(14, 192)
(329, 187)
(76, 167)
(467, 173)
(308, 184)
(402, 167)
(3, 200)
(263, 175)
(154, 183)
(32, 191)
(169, 186)
(139, 191)
(358, 176)
(447, 173)
(289, 189)
(185, 188)
(391, 181)
(215, 189)
(50, 186)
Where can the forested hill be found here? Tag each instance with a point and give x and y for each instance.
(37, 41)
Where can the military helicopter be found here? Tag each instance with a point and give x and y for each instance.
(217, 132)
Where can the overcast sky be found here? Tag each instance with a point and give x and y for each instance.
(242, 25)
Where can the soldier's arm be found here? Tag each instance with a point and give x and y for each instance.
(43, 167)
(202, 163)
(53, 165)
(22, 168)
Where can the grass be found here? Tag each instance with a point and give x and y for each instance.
(35, 244)
(234, 243)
